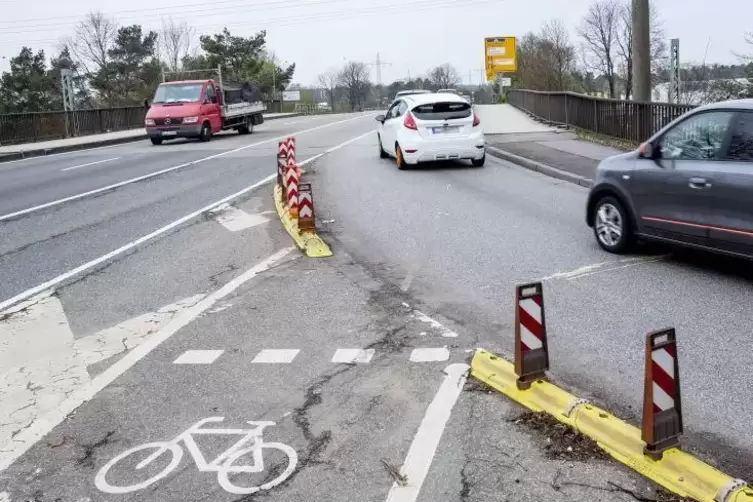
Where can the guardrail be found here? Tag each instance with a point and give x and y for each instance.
(41, 126)
(627, 120)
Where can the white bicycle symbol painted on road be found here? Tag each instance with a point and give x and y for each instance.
(222, 465)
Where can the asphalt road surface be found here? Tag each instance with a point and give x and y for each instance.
(461, 238)
(110, 379)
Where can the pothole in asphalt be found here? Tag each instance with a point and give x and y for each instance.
(562, 442)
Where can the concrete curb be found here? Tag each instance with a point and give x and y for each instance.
(539, 167)
(41, 152)
(308, 242)
(677, 471)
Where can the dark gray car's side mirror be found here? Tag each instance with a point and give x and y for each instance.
(380, 118)
(646, 150)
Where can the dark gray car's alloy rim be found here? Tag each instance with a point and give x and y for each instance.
(609, 226)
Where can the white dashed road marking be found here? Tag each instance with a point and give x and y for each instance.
(198, 357)
(446, 333)
(276, 356)
(427, 355)
(349, 356)
(89, 164)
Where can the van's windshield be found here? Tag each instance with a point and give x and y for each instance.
(178, 93)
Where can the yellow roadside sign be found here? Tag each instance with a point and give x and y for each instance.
(500, 56)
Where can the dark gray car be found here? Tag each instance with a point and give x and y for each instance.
(690, 184)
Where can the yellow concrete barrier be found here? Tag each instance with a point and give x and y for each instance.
(677, 471)
(307, 241)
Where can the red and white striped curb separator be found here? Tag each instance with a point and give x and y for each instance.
(531, 327)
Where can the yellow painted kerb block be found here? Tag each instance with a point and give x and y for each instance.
(677, 471)
(308, 242)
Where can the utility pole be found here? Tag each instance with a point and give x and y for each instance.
(379, 63)
(674, 71)
(641, 51)
(69, 101)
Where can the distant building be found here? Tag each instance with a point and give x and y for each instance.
(705, 91)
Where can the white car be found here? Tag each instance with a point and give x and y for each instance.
(430, 128)
(410, 92)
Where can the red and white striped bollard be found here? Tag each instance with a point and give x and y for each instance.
(531, 349)
(662, 405)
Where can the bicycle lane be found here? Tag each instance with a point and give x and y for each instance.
(342, 364)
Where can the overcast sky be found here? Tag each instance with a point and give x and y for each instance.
(413, 35)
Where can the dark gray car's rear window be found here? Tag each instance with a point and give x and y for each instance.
(442, 111)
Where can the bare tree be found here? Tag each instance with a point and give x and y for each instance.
(598, 30)
(90, 49)
(354, 77)
(444, 77)
(558, 52)
(92, 40)
(175, 42)
(624, 41)
(329, 80)
(546, 61)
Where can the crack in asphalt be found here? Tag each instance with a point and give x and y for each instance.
(87, 460)
(465, 483)
(214, 279)
(612, 488)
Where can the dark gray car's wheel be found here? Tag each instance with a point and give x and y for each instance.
(382, 153)
(612, 225)
(156, 141)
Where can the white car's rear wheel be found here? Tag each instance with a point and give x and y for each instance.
(399, 159)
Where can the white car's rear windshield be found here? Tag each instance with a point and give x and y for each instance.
(442, 111)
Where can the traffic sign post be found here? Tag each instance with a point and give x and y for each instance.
(500, 56)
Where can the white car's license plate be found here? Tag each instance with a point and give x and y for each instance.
(443, 130)
(169, 133)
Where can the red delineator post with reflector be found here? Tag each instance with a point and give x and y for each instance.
(662, 406)
(531, 349)
(305, 207)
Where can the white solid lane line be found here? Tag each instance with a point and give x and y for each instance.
(52, 283)
(90, 164)
(170, 169)
(426, 441)
(43, 425)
